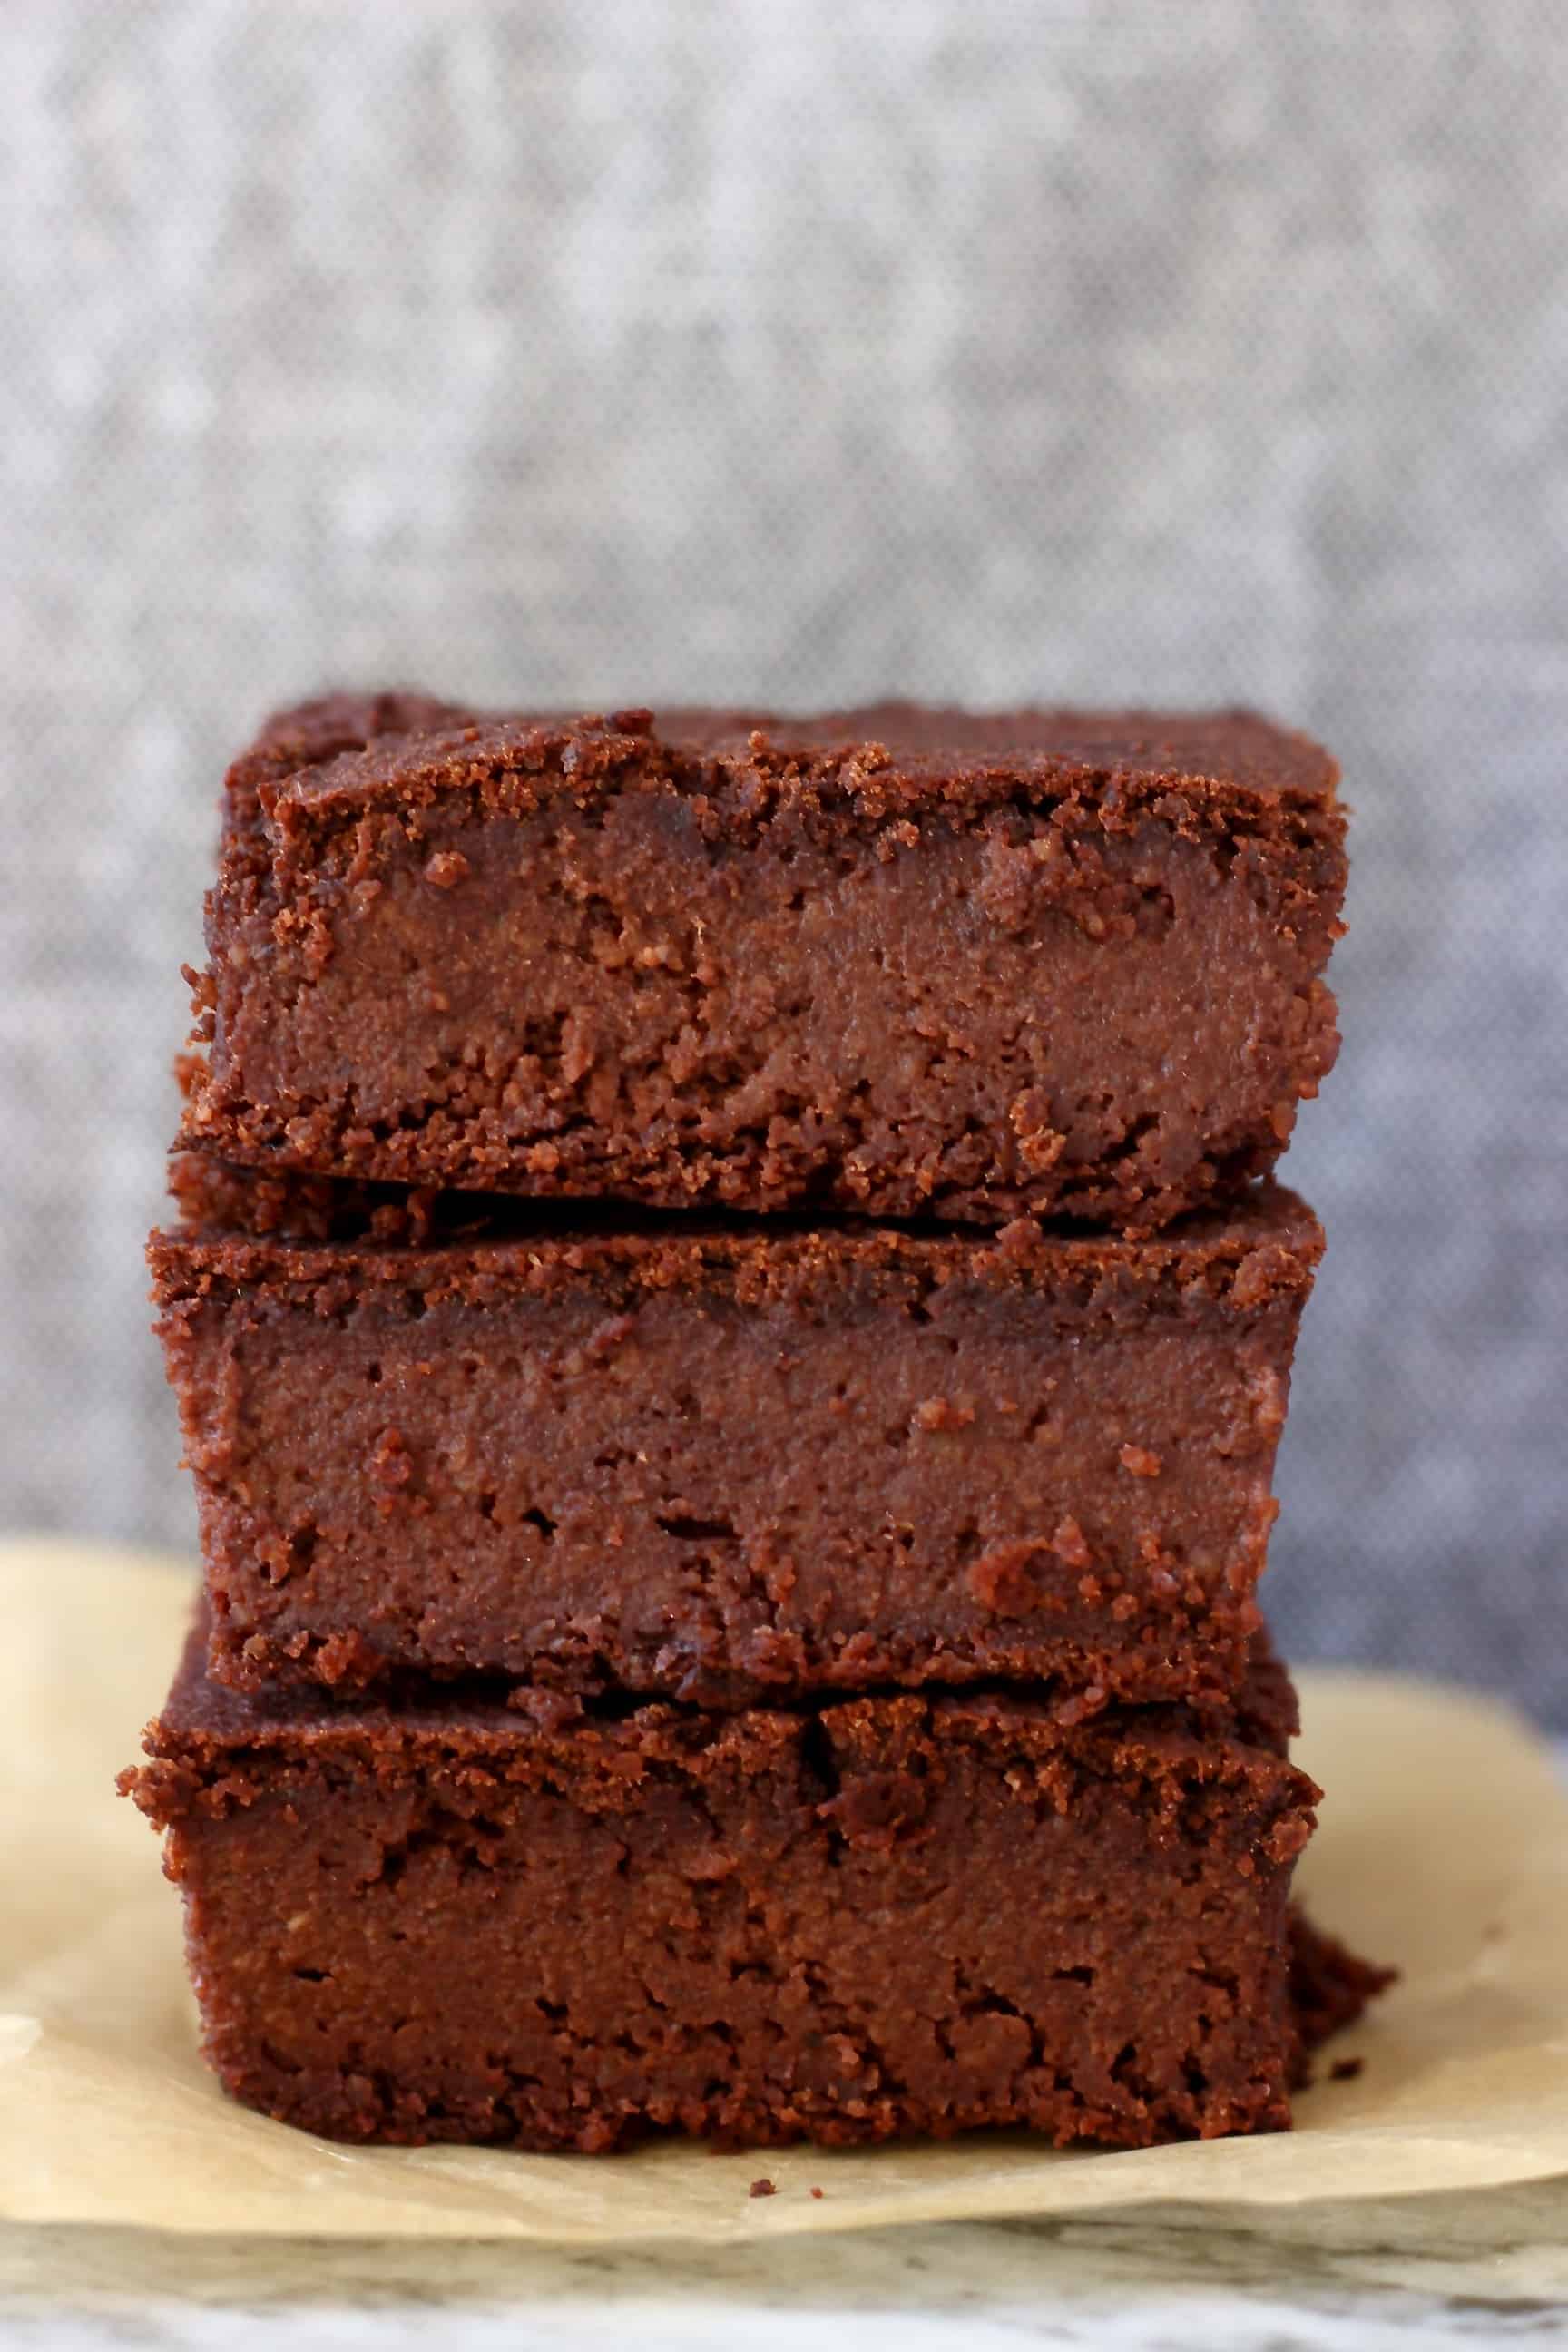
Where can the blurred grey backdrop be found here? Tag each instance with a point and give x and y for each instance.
(801, 350)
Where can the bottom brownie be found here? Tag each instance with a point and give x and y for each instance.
(895, 1916)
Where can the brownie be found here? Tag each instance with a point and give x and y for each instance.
(556, 1928)
(720, 1462)
(895, 960)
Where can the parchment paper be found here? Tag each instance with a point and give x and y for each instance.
(1444, 1849)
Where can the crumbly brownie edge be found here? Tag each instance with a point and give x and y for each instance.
(352, 748)
(1264, 1246)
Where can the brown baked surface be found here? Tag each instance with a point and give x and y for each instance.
(895, 962)
(716, 1461)
(902, 1914)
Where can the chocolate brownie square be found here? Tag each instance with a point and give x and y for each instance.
(897, 962)
(550, 1928)
(724, 1463)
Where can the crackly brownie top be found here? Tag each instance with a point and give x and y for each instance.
(352, 750)
(316, 1240)
(217, 1738)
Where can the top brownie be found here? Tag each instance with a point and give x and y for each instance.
(896, 961)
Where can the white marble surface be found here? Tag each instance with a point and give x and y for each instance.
(1489, 2269)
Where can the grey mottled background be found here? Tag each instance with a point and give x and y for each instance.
(802, 349)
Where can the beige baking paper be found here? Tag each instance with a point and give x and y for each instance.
(1444, 1849)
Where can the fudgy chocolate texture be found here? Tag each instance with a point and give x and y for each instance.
(721, 1463)
(899, 1915)
(895, 962)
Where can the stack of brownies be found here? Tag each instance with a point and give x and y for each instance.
(731, 1325)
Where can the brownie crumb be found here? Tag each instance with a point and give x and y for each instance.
(762, 2189)
(1140, 1462)
(446, 868)
(1345, 2070)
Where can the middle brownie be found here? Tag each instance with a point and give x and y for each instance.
(723, 1463)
